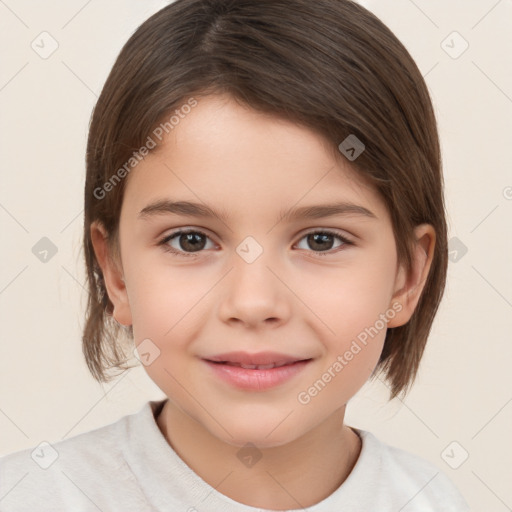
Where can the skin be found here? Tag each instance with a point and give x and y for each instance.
(291, 299)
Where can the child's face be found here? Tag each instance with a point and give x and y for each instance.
(294, 298)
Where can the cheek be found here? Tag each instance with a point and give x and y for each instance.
(353, 306)
(358, 319)
(165, 306)
(349, 299)
(160, 293)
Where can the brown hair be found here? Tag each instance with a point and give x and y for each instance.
(329, 65)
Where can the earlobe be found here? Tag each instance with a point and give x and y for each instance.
(112, 274)
(408, 288)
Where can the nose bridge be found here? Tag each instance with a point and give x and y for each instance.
(254, 293)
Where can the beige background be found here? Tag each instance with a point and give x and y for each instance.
(463, 393)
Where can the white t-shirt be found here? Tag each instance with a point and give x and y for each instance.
(129, 466)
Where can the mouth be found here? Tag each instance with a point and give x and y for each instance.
(256, 361)
(269, 366)
(256, 372)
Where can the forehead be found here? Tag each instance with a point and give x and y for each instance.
(243, 161)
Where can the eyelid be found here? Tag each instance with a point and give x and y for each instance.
(333, 231)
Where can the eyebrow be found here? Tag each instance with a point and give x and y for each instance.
(187, 208)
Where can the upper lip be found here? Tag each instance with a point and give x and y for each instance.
(258, 358)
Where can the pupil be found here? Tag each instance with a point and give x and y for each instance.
(318, 239)
(192, 239)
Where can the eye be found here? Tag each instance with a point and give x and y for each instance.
(322, 241)
(188, 242)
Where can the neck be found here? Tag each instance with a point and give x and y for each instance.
(298, 474)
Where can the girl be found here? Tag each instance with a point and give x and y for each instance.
(264, 224)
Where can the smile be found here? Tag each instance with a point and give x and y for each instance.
(253, 366)
(252, 377)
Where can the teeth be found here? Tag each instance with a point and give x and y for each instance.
(266, 366)
(256, 366)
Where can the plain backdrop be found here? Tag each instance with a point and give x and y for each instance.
(459, 413)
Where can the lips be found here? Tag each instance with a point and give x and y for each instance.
(256, 372)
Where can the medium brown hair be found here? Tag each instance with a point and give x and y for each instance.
(328, 65)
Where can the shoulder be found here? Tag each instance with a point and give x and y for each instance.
(411, 481)
(75, 473)
(87, 446)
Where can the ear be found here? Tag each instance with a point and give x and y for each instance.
(112, 274)
(408, 288)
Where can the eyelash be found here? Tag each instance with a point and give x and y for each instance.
(164, 242)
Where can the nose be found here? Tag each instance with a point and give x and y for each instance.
(255, 294)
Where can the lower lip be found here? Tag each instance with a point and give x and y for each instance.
(256, 380)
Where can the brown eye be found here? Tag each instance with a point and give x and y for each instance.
(323, 241)
(185, 243)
